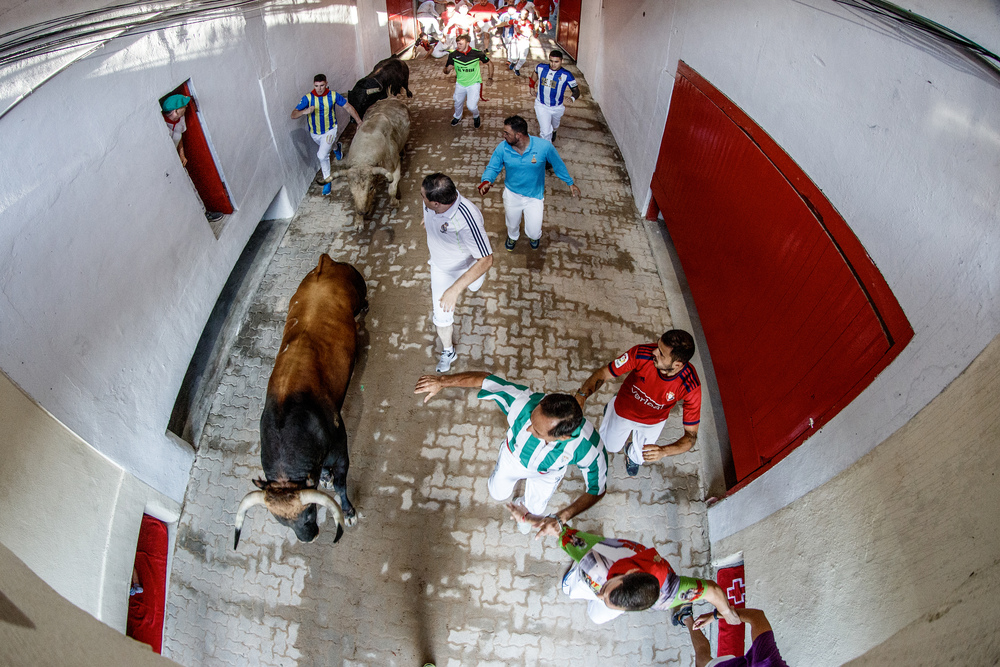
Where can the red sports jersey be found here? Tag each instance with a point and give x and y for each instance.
(648, 561)
(646, 396)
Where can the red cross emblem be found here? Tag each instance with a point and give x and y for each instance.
(736, 591)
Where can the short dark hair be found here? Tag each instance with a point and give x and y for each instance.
(564, 408)
(517, 124)
(556, 53)
(681, 345)
(462, 36)
(638, 591)
(439, 189)
(319, 77)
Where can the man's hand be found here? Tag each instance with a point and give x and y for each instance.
(705, 619)
(484, 187)
(653, 452)
(430, 385)
(546, 524)
(575, 190)
(449, 299)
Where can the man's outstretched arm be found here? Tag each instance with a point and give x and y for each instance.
(432, 384)
(593, 383)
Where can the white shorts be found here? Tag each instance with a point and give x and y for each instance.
(538, 486)
(441, 280)
(615, 431)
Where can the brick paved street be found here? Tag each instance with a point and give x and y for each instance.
(434, 570)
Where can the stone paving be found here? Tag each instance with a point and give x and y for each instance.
(435, 570)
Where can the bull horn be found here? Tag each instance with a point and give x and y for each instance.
(379, 171)
(310, 496)
(251, 499)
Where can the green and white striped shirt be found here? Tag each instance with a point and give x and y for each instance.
(583, 449)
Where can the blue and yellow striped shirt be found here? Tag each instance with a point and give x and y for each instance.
(322, 119)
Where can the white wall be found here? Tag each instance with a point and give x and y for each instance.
(903, 140)
(903, 542)
(68, 512)
(108, 269)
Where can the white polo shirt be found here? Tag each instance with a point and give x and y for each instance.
(456, 238)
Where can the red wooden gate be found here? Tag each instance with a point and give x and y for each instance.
(402, 24)
(798, 318)
(568, 30)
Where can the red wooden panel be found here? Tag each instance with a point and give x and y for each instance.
(201, 163)
(402, 24)
(568, 27)
(798, 318)
(146, 609)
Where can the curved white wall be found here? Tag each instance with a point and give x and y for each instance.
(108, 269)
(903, 138)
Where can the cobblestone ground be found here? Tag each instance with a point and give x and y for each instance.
(434, 571)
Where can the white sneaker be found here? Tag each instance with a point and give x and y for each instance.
(445, 361)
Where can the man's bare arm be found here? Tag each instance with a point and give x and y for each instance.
(432, 384)
(450, 296)
(547, 525)
(653, 452)
(593, 383)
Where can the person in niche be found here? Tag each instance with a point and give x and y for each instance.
(617, 575)
(763, 651)
(174, 109)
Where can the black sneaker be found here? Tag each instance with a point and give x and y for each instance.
(517, 72)
(213, 216)
(534, 243)
(456, 121)
(631, 468)
(680, 613)
(475, 122)
(509, 244)
(553, 135)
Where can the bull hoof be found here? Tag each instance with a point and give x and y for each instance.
(351, 521)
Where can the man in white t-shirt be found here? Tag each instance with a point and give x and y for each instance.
(460, 254)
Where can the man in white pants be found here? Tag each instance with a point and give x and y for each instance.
(545, 434)
(553, 82)
(524, 157)
(318, 106)
(460, 254)
(659, 376)
(465, 61)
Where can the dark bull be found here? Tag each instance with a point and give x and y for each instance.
(303, 441)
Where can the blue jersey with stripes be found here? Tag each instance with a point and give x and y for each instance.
(322, 119)
(552, 84)
(456, 238)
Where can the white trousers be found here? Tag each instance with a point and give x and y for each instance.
(429, 25)
(517, 51)
(514, 205)
(615, 431)
(441, 280)
(467, 96)
(326, 143)
(538, 486)
(548, 119)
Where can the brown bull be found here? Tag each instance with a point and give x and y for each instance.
(302, 437)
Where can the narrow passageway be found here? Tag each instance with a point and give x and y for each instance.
(436, 570)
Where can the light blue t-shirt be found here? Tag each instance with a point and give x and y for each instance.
(526, 173)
